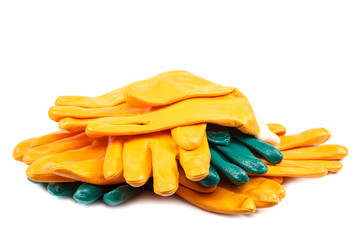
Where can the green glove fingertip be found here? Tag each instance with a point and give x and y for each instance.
(211, 179)
(121, 194)
(63, 189)
(88, 193)
(218, 135)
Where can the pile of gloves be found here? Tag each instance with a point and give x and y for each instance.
(173, 133)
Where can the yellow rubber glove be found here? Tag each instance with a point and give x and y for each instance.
(304, 156)
(144, 156)
(86, 164)
(162, 89)
(24, 146)
(59, 147)
(220, 201)
(265, 192)
(138, 157)
(232, 110)
(172, 87)
(258, 192)
(69, 142)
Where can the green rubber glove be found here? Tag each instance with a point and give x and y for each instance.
(231, 154)
(85, 193)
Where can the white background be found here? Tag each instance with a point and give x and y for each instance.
(297, 61)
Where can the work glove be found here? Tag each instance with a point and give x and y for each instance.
(231, 110)
(86, 165)
(76, 112)
(46, 152)
(304, 156)
(34, 148)
(231, 199)
(100, 161)
(162, 89)
(174, 86)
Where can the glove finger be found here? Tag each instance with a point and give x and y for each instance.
(269, 152)
(196, 163)
(47, 178)
(264, 192)
(218, 135)
(24, 146)
(62, 189)
(278, 129)
(231, 171)
(89, 193)
(113, 163)
(109, 124)
(220, 201)
(295, 171)
(21, 148)
(73, 124)
(331, 166)
(309, 137)
(109, 99)
(189, 137)
(137, 160)
(121, 194)
(322, 152)
(52, 137)
(57, 113)
(165, 168)
(242, 156)
(89, 171)
(74, 142)
(212, 179)
(40, 170)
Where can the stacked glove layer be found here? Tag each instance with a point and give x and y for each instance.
(183, 134)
